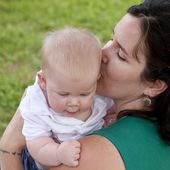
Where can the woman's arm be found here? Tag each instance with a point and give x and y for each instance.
(12, 141)
(97, 153)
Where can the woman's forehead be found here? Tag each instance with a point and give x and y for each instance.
(127, 32)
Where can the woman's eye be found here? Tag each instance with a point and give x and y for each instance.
(120, 55)
(121, 58)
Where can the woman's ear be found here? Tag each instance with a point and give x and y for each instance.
(155, 88)
(42, 80)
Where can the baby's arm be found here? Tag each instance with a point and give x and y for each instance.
(49, 153)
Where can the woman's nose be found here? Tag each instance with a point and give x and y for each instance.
(108, 44)
(105, 51)
(104, 56)
(104, 59)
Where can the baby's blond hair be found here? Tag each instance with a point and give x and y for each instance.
(73, 52)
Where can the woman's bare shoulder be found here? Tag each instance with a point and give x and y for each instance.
(97, 153)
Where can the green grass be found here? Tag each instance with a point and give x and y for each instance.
(23, 26)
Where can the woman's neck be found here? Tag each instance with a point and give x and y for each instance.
(135, 104)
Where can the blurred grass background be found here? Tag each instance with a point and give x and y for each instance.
(23, 26)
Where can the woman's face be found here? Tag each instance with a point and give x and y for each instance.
(121, 71)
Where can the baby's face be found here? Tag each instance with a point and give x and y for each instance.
(71, 98)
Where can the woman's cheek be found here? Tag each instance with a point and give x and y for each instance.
(110, 71)
(115, 69)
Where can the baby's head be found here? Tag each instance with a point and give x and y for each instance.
(72, 53)
(70, 69)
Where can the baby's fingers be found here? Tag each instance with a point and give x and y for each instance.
(75, 163)
(77, 156)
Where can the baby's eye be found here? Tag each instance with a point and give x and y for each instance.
(84, 94)
(63, 94)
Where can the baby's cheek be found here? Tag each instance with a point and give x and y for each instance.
(57, 106)
(88, 103)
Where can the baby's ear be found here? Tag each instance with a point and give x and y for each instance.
(156, 88)
(42, 80)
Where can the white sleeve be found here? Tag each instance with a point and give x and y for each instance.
(34, 127)
(34, 123)
(109, 102)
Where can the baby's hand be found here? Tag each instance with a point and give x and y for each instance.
(68, 152)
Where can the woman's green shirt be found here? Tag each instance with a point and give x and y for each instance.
(139, 144)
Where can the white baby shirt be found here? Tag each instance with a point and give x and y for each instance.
(40, 120)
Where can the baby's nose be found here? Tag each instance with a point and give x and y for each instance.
(74, 101)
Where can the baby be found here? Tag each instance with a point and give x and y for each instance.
(62, 106)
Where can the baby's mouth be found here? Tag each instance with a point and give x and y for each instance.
(72, 111)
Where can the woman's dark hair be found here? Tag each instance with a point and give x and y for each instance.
(154, 16)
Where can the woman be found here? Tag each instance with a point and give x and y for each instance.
(136, 74)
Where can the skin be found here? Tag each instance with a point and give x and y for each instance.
(119, 69)
(97, 153)
(68, 97)
(15, 125)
